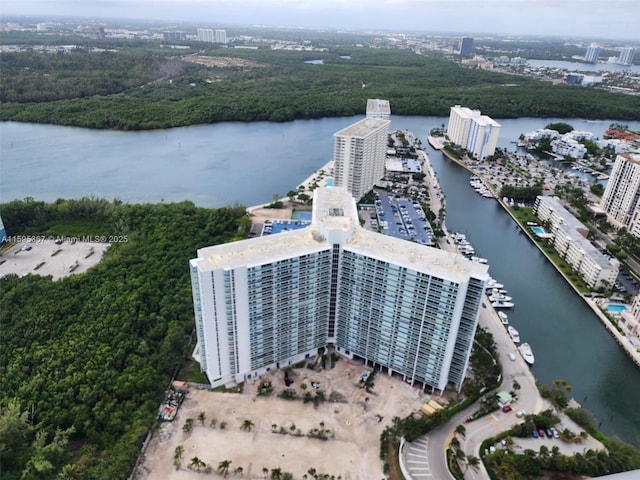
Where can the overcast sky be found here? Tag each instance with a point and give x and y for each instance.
(615, 19)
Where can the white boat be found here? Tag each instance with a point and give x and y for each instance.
(503, 318)
(527, 353)
(499, 297)
(501, 304)
(514, 334)
(493, 284)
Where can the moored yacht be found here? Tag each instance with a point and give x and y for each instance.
(503, 318)
(527, 353)
(514, 334)
(501, 304)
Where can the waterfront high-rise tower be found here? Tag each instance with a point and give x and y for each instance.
(626, 56)
(269, 302)
(477, 133)
(359, 155)
(621, 198)
(593, 51)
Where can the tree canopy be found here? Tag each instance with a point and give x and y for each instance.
(88, 357)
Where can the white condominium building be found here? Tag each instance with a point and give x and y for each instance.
(269, 302)
(206, 35)
(621, 198)
(593, 52)
(359, 155)
(220, 36)
(569, 240)
(377, 108)
(477, 133)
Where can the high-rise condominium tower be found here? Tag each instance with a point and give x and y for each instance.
(359, 155)
(475, 132)
(269, 302)
(621, 198)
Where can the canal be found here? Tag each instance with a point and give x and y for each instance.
(568, 340)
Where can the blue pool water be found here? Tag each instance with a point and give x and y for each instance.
(286, 225)
(328, 182)
(538, 230)
(616, 308)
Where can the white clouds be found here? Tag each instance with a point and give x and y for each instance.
(586, 18)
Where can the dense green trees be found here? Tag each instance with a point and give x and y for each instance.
(90, 355)
(142, 89)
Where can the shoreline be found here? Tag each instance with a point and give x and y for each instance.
(632, 353)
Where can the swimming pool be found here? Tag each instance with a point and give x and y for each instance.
(328, 182)
(538, 230)
(614, 308)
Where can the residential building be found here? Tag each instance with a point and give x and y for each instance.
(593, 51)
(269, 302)
(626, 56)
(359, 155)
(174, 36)
(630, 318)
(475, 132)
(206, 35)
(621, 198)
(220, 36)
(569, 240)
(466, 46)
(377, 108)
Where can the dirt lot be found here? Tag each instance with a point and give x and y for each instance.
(221, 62)
(47, 258)
(352, 418)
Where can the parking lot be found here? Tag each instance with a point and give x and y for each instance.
(42, 256)
(402, 218)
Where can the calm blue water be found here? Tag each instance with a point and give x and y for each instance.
(216, 165)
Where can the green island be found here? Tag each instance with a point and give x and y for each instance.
(106, 84)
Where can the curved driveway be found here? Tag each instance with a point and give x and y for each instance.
(433, 464)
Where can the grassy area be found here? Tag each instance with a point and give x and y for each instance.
(192, 373)
(524, 215)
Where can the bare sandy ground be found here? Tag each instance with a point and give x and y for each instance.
(47, 258)
(354, 420)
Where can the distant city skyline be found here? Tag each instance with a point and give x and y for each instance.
(588, 19)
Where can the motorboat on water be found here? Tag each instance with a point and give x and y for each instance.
(503, 318)
(527, 353)
(499, 297)
(514, 334)
(501, 304)
(492, 283)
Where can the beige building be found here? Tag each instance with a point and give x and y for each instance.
(631, 318)
(621, 198)
(569, 240)
(359, 155)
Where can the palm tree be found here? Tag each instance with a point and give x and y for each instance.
(473, 462)
(247, 425)
(69, 472)
(265, 471)
(188, 425)
(461, 430)
(312, 471)
(196, 463)
(223, 467)
(238, 470)
(223, 425)
(213, 423)
(177, 456)
(201, 417)
(276, 473)
(455, 443)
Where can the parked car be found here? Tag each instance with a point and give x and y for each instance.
(535, 433)
(26, 248)
(541, 432)
(554, 432)
(520, 413)
(506, 409)
(548, 432)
